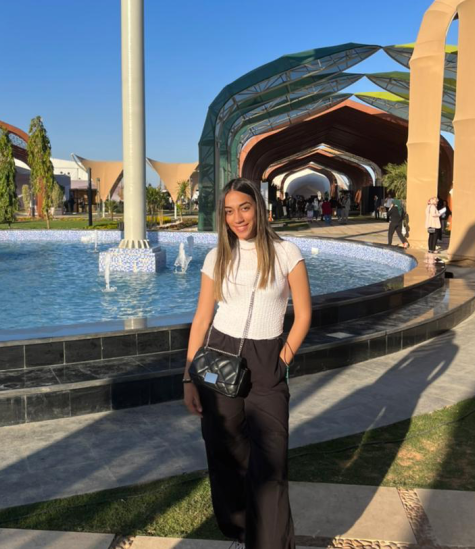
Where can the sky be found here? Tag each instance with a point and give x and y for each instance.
(63, 61)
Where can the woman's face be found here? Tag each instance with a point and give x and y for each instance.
(240, 214)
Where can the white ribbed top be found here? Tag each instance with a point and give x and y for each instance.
(269, 304)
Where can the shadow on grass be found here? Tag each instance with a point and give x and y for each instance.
(390, 398)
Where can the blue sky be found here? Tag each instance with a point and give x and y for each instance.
(63, 61)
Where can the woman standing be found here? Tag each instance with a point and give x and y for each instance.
(246, 439)
(432, 223)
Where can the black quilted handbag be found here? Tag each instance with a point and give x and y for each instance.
(221, 371)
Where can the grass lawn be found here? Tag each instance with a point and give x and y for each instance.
(63, 223)
(73, 222)
(431, 451)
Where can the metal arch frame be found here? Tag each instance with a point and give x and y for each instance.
(280, 167)
(349, 157)
(322, 84)
(402, 54)
(363, 162)
(286, 117)
(314, 168)
(277, 75)
(317, 168)
(263, 99)
(328, 85)
(395, 105)
(398, 84)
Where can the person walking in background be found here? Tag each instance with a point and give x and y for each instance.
(309, 208)
(432, 223)
(287, 205)
(444, 216)
(444, 212)
(339, 207)
(316, 209)
(377, 204)
(345, 208)
(250, 274)
(327, 211)
(396, 216)
(387, 205)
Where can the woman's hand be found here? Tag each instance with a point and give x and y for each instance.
(192, 399)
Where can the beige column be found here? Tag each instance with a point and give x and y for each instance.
(425, 106)
(133, 123)
(462, 240)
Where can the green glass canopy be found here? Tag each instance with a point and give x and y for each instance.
(276, 89)
(294, 88)
(398, 84)
(398, 106)
(403, 53)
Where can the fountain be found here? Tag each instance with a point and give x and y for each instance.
(182, 261)
(107, 273)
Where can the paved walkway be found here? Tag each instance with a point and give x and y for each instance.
(325, 515)
(64, 457)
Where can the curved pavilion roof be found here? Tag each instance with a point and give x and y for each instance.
(329, 174)
(362, 130)
(356, 173)
(403, 53)
(397, 83)
(288, 92)
(338, 155)
(399, 106)
(273, 95)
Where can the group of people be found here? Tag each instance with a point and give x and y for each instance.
(317, 207)
(436, 217)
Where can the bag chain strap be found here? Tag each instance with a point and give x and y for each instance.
(246, 328)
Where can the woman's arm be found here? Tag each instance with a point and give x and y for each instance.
(302, 302)
(434, 212)
(199, 327)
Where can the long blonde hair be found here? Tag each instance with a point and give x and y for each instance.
(228, 241)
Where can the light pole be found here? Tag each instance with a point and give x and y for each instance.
(133, 123)
(134, 253)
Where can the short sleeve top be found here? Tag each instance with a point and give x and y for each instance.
(270, 303)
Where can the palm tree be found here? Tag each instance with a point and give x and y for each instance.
(182, 196)
(395, 179)
(156, 200)
(111, 207)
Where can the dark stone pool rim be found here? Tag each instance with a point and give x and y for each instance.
(71, 344)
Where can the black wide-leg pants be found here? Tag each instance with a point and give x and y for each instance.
(246, 443)
(432, 241)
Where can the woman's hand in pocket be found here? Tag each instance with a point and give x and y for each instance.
(192, 399)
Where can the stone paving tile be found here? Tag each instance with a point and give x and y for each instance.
(33, 539)
(323, 406)
(451, 514)
(145, 542)
(356, 512)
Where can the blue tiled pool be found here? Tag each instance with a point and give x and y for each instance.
(51, 277)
